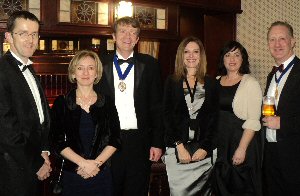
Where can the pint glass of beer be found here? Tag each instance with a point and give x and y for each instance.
(268, 106)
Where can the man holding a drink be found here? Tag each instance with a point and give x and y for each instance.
(281, 167)
(268, 106)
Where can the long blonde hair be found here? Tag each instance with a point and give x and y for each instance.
(180, 69)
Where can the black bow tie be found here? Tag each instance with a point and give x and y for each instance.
(279, 68)
(25, 67)
(129, 61)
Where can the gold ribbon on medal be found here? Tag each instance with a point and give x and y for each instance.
(276, 92)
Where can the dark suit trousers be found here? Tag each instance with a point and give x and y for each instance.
(131, 166)
(275, 183)
(16, 181)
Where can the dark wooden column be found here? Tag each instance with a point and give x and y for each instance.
(218, 29)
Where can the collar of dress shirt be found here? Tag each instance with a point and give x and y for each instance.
(29, 62)
(285, 63)
(121, 57)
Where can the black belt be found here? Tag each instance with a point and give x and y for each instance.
(129, 130)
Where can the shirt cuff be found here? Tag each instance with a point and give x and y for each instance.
(47, 152)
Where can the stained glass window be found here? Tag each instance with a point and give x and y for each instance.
(7, 7)
(83, 12)
(151, 17)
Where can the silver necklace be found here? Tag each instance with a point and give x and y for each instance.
(84, 102)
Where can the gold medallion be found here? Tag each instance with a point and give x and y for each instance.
(122, 86)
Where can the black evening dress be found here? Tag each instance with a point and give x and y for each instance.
(230, 180)
(74, 184)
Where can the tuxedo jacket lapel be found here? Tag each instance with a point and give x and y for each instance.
(42, 96)
(108, 71)
(289, 84)
(20, 80)
(269, 79)
(138, 72)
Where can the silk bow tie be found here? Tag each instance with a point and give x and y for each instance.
(279, 68)
(25, 67)
(129, 61)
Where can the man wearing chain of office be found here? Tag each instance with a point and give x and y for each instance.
(133, 81)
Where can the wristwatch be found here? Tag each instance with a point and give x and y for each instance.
(177, 142)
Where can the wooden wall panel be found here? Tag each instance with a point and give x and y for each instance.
(213, 21)
(218, 30)
(191, 22)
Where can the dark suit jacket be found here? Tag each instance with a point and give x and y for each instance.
(288, 136)
(147, 94)
(177, 118)
(22, 137)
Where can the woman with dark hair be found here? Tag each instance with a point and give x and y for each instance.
(189, 110)
(237, 168)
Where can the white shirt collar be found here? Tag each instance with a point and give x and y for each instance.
(29, 62)
(285, 63)
(121, 57)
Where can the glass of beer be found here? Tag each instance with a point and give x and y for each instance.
(268, 106)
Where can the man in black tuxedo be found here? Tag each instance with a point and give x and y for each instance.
(135, 85)
(281, 167)
(24, 119)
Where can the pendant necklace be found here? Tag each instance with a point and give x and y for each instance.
(84, 102)
(192, 93)
(122, 85)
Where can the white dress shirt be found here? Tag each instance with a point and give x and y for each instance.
(124, 101)
(271, 133)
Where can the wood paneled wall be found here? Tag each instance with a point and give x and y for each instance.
(213, 21)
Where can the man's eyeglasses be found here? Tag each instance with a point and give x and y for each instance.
(25, 35)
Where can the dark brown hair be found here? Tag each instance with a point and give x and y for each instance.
(10, 25)
(180, 69)
(231, 46)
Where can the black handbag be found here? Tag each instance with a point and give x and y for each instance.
(56, 183)
(191, 146)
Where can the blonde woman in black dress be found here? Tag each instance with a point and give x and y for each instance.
(85, 130)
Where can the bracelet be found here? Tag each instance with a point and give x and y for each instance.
(99, 164)
(177, 142)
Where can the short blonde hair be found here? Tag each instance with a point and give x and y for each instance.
(78, 57)
(180, 69)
